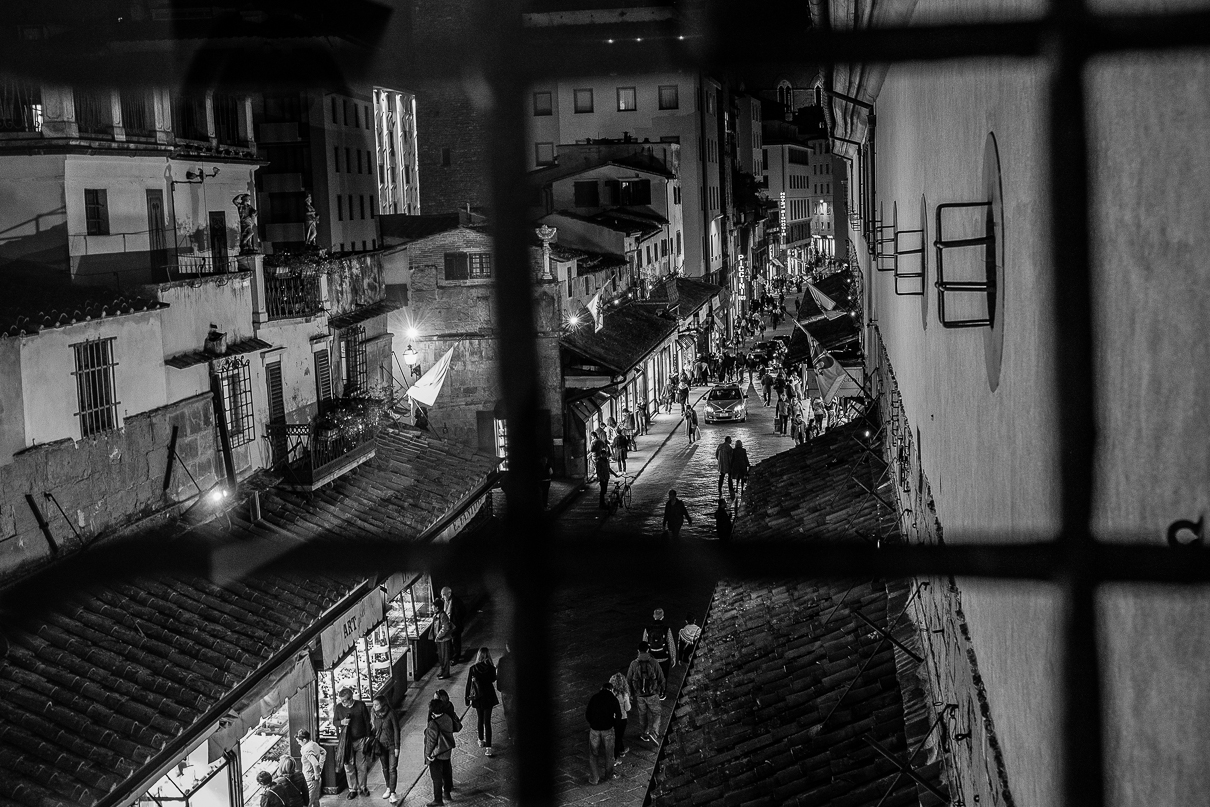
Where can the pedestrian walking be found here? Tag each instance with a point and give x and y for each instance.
(687, 637)
(740, 464)
(722, 519)
(448, 705)
(457, 613)
(313, 756)
(481, 696)
(690, 418)
(722, 455)
(683, 393)
(669, 394)
(621, 691)
(602, 714)
(675, 515)
(820, 413)
(621, 447)
(439, 744)
(386, 736)
(779, 416)
(506, 685)
(643, 418)
(545, 475)
(798, 429)
(353, 724)
(630, 426)
(661, 642)
(443, 635)
(766, 383)
(604, 471)
(647, 681)
(290, 783)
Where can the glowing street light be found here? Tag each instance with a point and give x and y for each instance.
(412, 359)
(411, 332)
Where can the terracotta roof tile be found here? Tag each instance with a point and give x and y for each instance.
(100, 683)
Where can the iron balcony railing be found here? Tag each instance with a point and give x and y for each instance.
(310, 455)
(294, 294)
(200, 265)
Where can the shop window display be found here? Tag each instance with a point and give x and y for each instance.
(192, 783)
(260, 749)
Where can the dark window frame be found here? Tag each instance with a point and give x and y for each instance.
(583, 109)
(96, 386)
(634, 99)
(544, 110)
(675, 92)
(96, 211)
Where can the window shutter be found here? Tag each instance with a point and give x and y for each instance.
(323, 375)
(277, 403)
(457, 266)
(613, 192)
(642, 192)
(486, 423)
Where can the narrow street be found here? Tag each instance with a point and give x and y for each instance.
(595, 628)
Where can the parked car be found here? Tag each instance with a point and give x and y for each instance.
(726, 402)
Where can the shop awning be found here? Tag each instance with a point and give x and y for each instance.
(586, 403)
(777, 263)
(286, 680)
(687, 342)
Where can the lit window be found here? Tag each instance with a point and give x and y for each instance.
(627, 101)
(669, 96)
(236, 386)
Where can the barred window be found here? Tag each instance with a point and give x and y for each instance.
(95, 386)
(353, 358)
(480, 265)
(235, 382)
(96, 211)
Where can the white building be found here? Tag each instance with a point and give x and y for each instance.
(395, 136)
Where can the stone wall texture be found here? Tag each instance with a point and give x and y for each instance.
(103, 482)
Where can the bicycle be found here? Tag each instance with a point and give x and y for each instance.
(620, 495)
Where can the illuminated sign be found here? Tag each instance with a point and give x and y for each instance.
(781, 206)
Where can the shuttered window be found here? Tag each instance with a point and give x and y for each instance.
(323, 375)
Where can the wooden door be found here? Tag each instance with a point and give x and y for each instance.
(157, 239)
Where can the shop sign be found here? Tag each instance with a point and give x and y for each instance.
(398, 582)
(351, 626)
(781, 206)
(464, 518)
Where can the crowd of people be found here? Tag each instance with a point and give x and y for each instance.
(640, 690)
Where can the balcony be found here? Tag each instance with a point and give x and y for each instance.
(311, 455)
(292, 292)
(201, 265)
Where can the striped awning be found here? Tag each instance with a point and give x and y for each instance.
(586, 403)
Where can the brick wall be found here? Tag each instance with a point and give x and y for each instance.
(103, 482)
(965, 739)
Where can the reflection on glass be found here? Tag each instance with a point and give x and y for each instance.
(260, 749)
(193, 782)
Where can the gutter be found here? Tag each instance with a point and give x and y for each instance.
(147, 774)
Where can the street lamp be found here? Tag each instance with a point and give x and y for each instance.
(412, 359)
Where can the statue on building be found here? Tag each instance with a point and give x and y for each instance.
(312, 224)
(247, 223)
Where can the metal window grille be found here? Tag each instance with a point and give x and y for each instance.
(480, 264)
(236, 383)
(95, 386)
(353, 358)
(94, 111)
(20, 105)
(138, 116)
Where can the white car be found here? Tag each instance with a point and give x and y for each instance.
(726, 402)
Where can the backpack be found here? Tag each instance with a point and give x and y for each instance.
(648, 682)
(657, 636)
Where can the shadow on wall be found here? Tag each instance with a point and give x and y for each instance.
(39, 240)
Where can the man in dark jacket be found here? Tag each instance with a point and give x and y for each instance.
(675, 515)
(766, 382)
(739, 465)
(506, 685)
(604, 471)
(438, 747)
(601, 713)
(353, 721)
(661, 643)
(457, 613)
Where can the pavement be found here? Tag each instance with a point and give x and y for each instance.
(596, 627)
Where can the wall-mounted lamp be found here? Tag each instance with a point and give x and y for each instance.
(412, 359)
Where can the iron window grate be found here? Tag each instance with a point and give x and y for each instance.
(235, 381)
(96, 386)
(353, 359)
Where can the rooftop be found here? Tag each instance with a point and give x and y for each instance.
(32, 302)
(399, 228)
(630, 333)
(97, 684)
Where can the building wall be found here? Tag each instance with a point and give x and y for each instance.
(395, 135)
(646, 122)
(33, 212)
(103, 482)
(48, 361)
(990, 457)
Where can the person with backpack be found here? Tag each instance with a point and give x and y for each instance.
(687, 638)
(290, 783)
(271, 794)
(647, 680)
(448, 705)
(439, 745)
(313, 756)
(481, 695)
(661, 643)
(386, 737)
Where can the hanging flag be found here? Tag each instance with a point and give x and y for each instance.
(826, 304)
(829, 374)
(425, 390)
(594, 308)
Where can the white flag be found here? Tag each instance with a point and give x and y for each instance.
(594, 308)
(829, 375)
(826, 304)
(425, 390)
